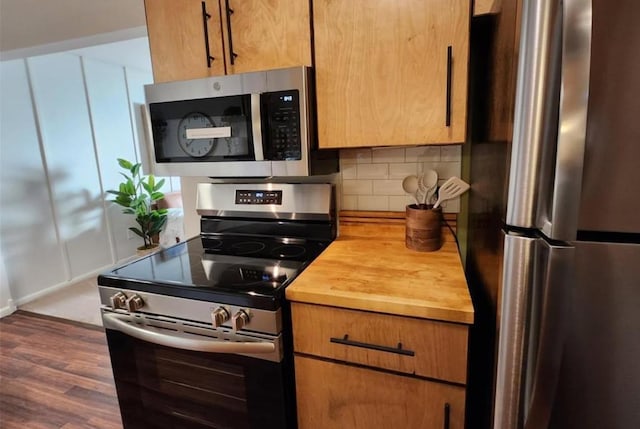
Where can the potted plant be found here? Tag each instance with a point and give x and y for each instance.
(138, 195)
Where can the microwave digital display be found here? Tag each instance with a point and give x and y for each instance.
(244, 196)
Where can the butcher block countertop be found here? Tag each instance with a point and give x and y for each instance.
(369, 268)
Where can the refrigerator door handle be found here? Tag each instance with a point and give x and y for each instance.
(547, 343)
(513, 323)
(550, 117)
(533, 89)
(536, 288)
(560, 203)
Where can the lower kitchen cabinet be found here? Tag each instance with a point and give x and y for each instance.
(381, 333)
(366, 370)
(338, 396)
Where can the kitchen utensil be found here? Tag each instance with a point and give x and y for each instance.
(452, 188)
(411, 184)
(422, 188)
(430, 183)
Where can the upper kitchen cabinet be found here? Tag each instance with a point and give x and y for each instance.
(185, 39)
(192, 38)
(391, 73)
(266, 34)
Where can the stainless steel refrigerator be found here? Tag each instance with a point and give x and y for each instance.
(554, 262)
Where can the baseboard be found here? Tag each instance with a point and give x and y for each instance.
(8, 309)
(51, 289)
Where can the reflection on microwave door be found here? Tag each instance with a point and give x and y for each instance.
(192, 146)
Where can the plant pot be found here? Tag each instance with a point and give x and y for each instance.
(143, 251)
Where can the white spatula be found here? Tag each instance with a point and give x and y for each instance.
(452, 188)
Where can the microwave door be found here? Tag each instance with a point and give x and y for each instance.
(215, 137)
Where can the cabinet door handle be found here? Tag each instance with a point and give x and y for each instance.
(397, 350)
(205, 19)
(447, 412)
(232, 55)
(448, 101)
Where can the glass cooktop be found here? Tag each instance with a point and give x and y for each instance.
(235, 270)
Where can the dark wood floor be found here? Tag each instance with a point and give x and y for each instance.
(55, 374)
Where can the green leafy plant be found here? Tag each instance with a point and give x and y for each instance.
(138, 195)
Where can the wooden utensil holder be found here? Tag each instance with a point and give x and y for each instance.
(423, 228)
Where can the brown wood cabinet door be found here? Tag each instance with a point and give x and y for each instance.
(337, 396)
(267, 34)
(382, 67)
(177, 39)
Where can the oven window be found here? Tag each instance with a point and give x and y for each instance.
(161, 387)
(208, 129)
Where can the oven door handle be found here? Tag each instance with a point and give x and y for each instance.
(120, 323)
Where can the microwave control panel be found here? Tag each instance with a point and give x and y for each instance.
(258, 197)
(282, 117)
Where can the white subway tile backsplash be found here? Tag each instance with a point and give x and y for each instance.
(357, 187)
(372, 178)
(378, 202)
(349, 202)
(387, 187)
(444, 169)
(451, 153)
(389, 155)
(399, 204)
(373, 171)
(355, 156)
(423, 153)
(451, 206)
(400, 171)
(349, 171)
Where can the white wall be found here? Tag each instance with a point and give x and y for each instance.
(32, 252)
(65, 119)
(108, 97)
(67, 137)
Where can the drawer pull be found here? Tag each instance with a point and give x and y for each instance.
(347, 342)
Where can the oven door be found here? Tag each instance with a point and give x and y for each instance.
(171, 373)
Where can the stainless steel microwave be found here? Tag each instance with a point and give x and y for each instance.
(244, 125)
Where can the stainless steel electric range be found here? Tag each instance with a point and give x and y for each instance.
(199, 333)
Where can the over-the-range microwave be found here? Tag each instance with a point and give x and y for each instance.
(257, 124)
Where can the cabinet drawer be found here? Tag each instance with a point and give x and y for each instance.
(338, 396)
(414, 346)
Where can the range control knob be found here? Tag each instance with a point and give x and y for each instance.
(240, 320)
(119, 300)
(135, 302)
(219, 316)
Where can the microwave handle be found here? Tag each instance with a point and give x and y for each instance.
(256, 126)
